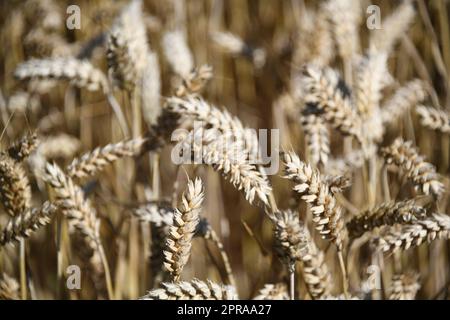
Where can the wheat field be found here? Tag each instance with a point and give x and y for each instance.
(225, 149)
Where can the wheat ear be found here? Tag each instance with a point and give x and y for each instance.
(24, 224)
(403, 100)
(324, 94)
(393, 28)
(94, 162)
(317, 138)
(388, 213)
(80, 73)
(436, 226)
(270, 291)
(227, 145)
(81, 216)
(15, 191)
(177, 52)
(186, 219)
(434, 119)
(404, 286)
(127, 48)
(9, 288)
(192, 290)
(23, 148)
(421, 173)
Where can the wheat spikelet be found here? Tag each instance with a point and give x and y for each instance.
(434, 119)
(128, 50)
(227, 146)
(186, 218)
(24, 224)
(404, 286)
(79, 72)
(192, 290)
(437, 226)
(393, 28)
(23, 148)
(151, 90)
(327, 215)
(322, 92)
(94, 162)
(388, 213)
(421, 173)
(15, 191)
(9, 288)
(288, 238)
(403, 100)
(195, 81)
(344, 17)
(317, 138)
(270, 291)
(177, 53)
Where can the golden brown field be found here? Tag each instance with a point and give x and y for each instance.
(129, 168)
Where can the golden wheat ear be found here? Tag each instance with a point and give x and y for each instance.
(278, 291)
(24, 224)
(185, 221)
(192, 290)
(434, 119)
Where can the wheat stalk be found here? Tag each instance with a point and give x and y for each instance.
(186, 219)
(24, 224)
(388, 213)
(192, 290)
(434, 119)
(421, 173)
(94, 162)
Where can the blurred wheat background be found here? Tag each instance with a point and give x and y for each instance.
(363, 119)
